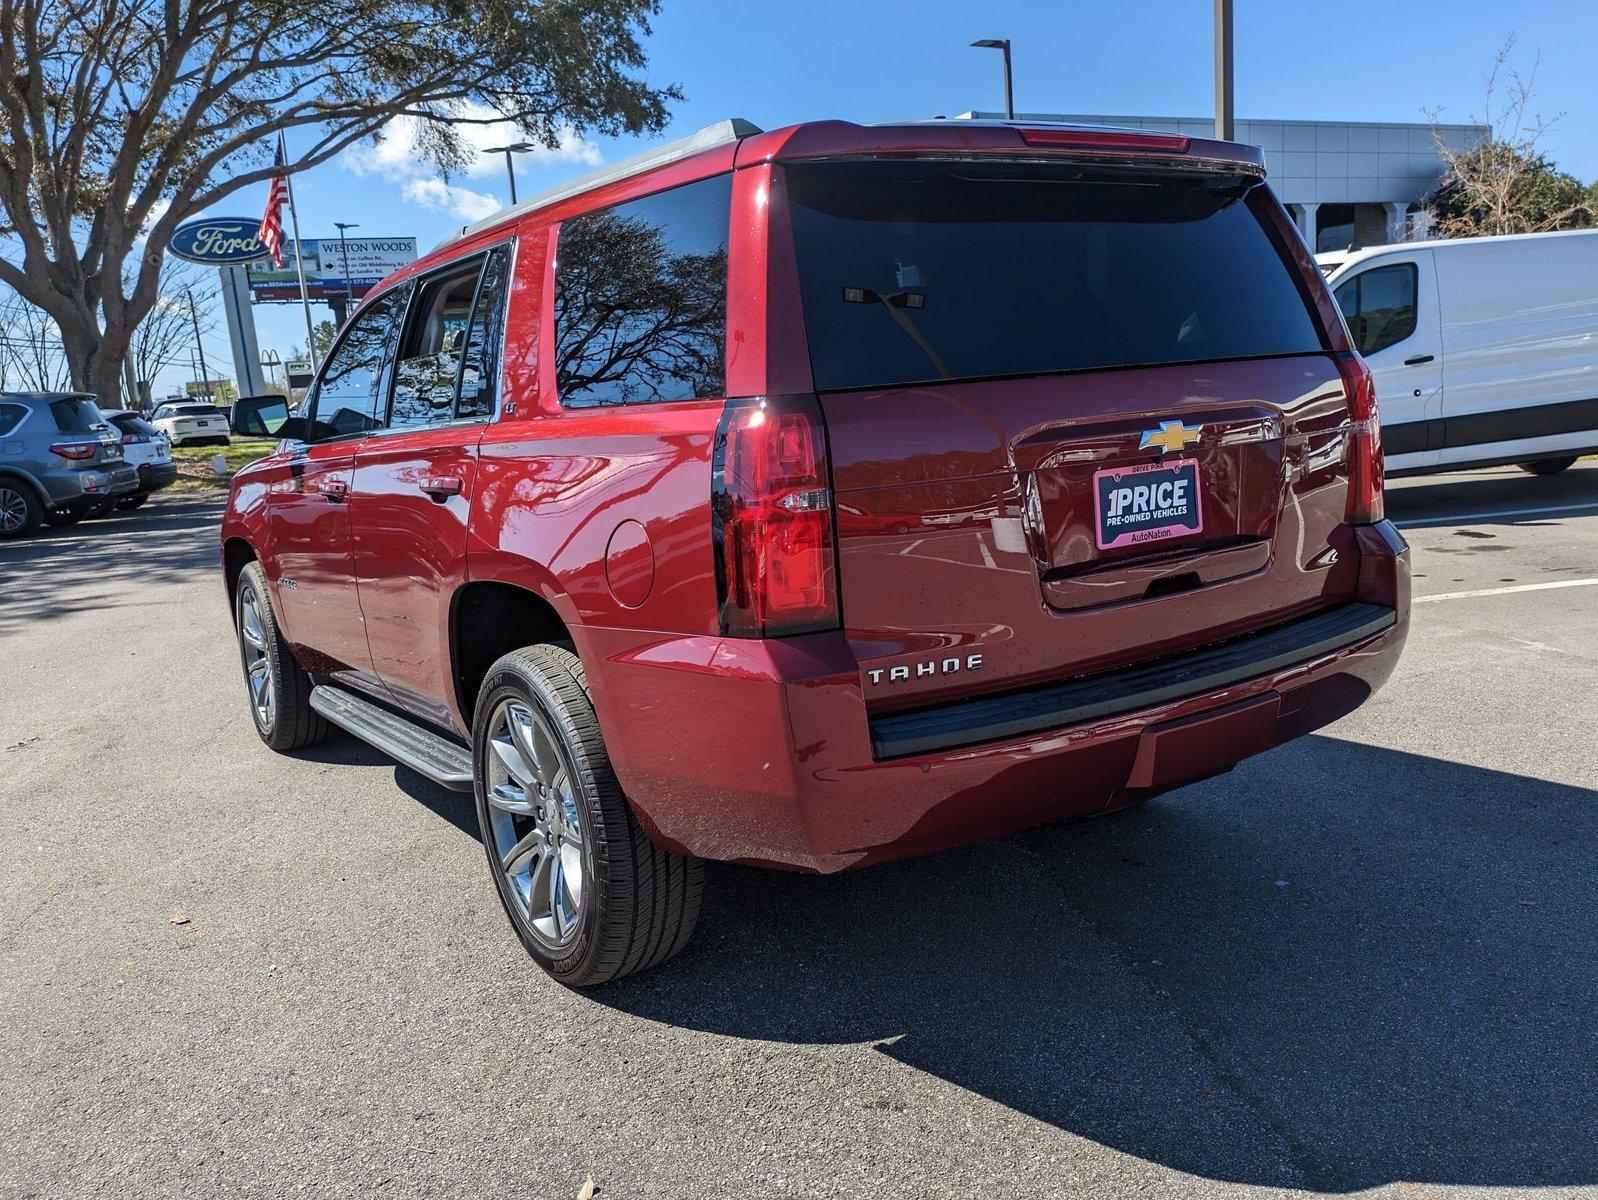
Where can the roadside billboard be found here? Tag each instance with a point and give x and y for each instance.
(370, 261)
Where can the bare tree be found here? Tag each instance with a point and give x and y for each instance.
(119, 119)
(1506, 183)
(31, 355)
(166, 335)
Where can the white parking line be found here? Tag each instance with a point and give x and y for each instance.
(1500, 591)
(1469, 518)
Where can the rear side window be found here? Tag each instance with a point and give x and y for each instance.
(641, 299)
(10, 417)
(1379, 306)
(451, 347)
(918, 271)
(347, 394)
(77, 415)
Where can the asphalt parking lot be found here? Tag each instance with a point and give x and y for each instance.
(1363, 963)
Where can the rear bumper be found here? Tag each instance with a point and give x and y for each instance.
(763, 752)
(155, 476)
(89, 483)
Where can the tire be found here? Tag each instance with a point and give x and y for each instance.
(636, 904)
(1549, 466)
(20, 510)
(280, 704)
(133, 502)
(60, 518)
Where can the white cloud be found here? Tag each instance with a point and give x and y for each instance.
(439, 196)
(398, 159)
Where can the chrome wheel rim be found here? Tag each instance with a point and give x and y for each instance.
(257, 662)
(536, 823)
(13, 510)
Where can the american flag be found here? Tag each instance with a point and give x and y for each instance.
(270, 234)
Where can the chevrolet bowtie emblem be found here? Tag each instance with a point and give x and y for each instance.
(1171, 436)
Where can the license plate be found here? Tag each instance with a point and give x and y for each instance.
(1147, 503)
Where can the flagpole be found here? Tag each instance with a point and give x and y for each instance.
(299, 263)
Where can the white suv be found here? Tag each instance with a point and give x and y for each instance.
(145, 447)
(184, 423)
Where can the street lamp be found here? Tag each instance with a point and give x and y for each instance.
(510, 169)
(1009, 94)
(344, 251)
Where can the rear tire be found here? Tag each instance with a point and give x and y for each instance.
(1549, 466)
(278, 687)
(590, 896)
(20, 510)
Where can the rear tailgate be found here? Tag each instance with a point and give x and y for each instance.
(1079, 417)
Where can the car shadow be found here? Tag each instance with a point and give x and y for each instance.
(1440, 500)
(1339, 967)
(96, 564)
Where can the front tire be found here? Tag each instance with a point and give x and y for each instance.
(1548, 466)
(279, 688)
(590, 896)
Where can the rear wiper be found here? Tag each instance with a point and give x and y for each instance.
(896, 303)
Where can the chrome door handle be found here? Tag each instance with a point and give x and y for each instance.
(334, 490)
(441, 487)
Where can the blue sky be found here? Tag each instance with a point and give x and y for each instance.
(780, 63)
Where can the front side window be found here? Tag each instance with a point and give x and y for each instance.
(349, 391)
(641, 299)
(1379, 306)
(78, 414)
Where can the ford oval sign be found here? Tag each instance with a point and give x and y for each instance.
(217, 241)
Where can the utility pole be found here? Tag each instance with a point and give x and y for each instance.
(194, 316)
(1225, 128)
(1009, 92)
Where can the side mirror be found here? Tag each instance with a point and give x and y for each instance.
(266, 417)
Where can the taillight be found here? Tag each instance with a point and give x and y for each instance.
(73, 450)
(1364, 441)
(134, 439)
(771, 505)
(1105, 139)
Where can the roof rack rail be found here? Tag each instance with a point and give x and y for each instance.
(731, 130)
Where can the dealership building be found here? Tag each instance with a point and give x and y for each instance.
(1347, 183)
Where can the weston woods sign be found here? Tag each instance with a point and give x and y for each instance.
(217, 241)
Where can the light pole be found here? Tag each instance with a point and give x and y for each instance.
(194, 317)
(1009, 93)
(344, 250)
(1224, 129)
(510, 166)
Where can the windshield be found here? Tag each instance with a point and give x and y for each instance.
(79, 414)
(916, 271)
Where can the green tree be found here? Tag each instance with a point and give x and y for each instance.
(1506, 184)
(120, 119)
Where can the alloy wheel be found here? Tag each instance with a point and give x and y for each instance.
(537, 823)
(13, 510)
(257, 662)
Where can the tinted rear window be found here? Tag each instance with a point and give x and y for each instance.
(128, 423)
(198, 410)
(918, 271)
(80, 415)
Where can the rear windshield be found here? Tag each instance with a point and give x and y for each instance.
(196, 410)
(128, 423)
(78, 415)
(917, 271)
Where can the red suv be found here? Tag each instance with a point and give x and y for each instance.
(818, 497)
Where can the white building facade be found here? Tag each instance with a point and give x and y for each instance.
(1347, 183)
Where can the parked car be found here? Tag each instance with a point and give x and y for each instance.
(192, 424)
(148, 450)
(59, 461)
(595, 510)
(1483, 349)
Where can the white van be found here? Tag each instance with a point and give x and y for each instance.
(1485, 350)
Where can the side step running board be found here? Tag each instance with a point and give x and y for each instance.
(417, 747)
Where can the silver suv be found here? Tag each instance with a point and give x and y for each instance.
(59, 461)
